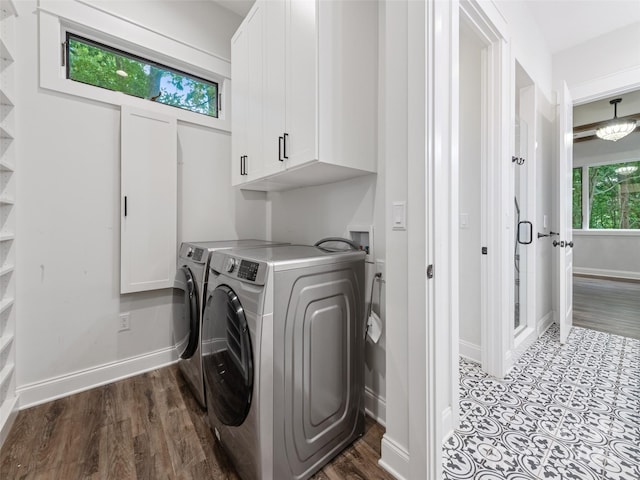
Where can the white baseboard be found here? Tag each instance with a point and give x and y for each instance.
(9, 409)
(601, 272)
(375, 406)
(470, 351)
(545, 322)
(64, 385)
(394, 459)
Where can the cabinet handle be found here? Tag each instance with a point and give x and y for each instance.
(286, 137)
(125, 205)
(241, 167)
(245, 165)
(280, 142)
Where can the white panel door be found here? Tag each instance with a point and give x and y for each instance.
(302, 82)
(254, 29)
(564, 245)
(239, 104)
(149, 201)
(274, 95)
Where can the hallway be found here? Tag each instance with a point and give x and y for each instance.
(564, 411)
(607, 305)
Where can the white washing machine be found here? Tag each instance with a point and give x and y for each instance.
(283, 354)
(190, 285)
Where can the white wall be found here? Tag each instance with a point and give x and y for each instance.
(200, 23)
(545, 199)
(470, 194)
(614, 52)
(305, 215)
(69, 217)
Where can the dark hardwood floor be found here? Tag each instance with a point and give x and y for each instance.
(611, 306)
(145, 427)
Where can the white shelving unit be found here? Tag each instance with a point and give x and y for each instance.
(8, 397)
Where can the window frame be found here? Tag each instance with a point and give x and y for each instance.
(102, 46)
(95, 24)
(586, 210)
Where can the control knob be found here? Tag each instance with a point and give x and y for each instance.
(189, 252)
(231, 264)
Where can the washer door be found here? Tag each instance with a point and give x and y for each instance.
(190, 311)
(227, 357)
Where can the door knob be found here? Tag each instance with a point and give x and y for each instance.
(569, 244)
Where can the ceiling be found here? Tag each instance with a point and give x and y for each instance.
(240, 7)
(567, 23)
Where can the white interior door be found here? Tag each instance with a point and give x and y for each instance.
(564, 245)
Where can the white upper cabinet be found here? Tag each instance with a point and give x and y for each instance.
(246, 99)
(318, 102)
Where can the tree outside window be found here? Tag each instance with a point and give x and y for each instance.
(102, 66)
(614, 196)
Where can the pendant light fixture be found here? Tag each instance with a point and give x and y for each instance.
(616, 129)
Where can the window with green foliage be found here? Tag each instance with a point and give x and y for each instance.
(614, 195)
(102, 66)
(577, 198)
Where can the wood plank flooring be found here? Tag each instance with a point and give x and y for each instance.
(147, 427)
(611, 306)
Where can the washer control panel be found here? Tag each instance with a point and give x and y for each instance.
(248, 270)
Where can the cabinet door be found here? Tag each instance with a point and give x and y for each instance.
(302, 81)
(274, 96)
(255, 70)
(149, 201)
(239, 103)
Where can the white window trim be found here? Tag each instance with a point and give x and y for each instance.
(56, 18)
(607, 233)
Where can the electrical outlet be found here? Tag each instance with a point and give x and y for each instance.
(124, 322)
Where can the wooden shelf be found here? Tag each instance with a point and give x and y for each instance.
(6, 166)
(5, 342)
(4, 51)
(6, 270)
(5, 132)
(8, 8)
(6, 373)
(6, 304)
(5, 98)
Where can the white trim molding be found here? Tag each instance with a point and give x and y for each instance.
(545, 322)
(605, 273)
(470, 351)
(375, 406)
(58, 387)
(394, 459)
(12, 407)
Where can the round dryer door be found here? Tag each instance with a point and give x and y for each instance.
(227, 357)
(190, 310)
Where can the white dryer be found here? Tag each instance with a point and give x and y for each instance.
(283, 354)
(189, 286)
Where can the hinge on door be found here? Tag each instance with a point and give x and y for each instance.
(430, 271)
(63, 59)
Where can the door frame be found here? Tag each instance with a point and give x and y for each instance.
(497, 276)
(590, 91)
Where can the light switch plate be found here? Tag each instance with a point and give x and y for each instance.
(464, 220)
(399, 215)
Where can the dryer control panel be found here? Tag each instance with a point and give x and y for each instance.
(239, 268)
(248, 270)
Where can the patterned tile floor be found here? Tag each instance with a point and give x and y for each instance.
(564, 412)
